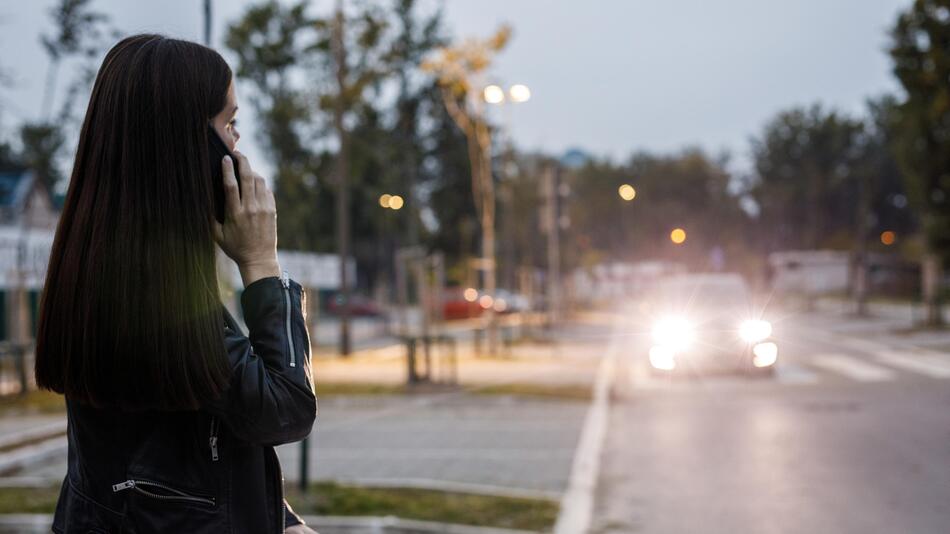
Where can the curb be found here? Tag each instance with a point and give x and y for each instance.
(40, 523)
(48, 430)
(33, 454)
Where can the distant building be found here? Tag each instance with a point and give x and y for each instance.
(28, 217)
(24, 200)
(575, 158)
(809, 272)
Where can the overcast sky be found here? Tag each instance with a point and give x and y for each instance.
(609, 76)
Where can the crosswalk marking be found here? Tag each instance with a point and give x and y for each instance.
(853, 368)
(881, 365)
(928, 364)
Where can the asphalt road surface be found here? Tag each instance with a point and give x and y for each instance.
(851, 435)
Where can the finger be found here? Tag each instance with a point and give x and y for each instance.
(246, 176)
(232, 198)
(271, 202)
(260, 189)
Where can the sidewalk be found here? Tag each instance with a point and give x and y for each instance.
(891, 323)
(510, 426)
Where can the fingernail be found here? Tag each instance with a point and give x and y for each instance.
(227, 159)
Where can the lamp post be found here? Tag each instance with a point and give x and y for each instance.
(495, 95)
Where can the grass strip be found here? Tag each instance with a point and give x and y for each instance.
(28, 500)
(426, 505)
(578, 392)
(34, 402)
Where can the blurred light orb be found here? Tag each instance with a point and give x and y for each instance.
(678, 236)
(395, 202)
(500, 305)
(662, 358)
(674, 333)
(384, 200)
(486, 301)
(755, 330)
(519, 93)
(494, 94)
(627, 192)
(888, 237)
(764, 354)
(471, 294)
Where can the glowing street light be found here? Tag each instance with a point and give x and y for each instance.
(519, 93)
(494, 94)
(393, 202)
(678, 236)
(888, 237)
(627, 192)
(471, 294)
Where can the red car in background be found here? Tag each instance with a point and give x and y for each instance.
(456, 306)
(359, 306)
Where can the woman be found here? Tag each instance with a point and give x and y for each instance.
(173, 412)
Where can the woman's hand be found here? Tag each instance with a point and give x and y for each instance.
(249, 233)
(300, 529)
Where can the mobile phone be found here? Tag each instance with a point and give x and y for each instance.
(217, 149)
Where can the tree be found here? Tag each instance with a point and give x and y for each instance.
(804, 182)
(336, 144)
(459, 69)
(921, 62)
(881, 202)
(79, 32)
(270, 42)
(688, 189)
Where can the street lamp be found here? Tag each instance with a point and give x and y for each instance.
(494, 94)
(888, 237)
(517, 93)
(627, 192)
(678, 236)
(393, 202)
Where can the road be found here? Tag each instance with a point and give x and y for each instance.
(852, 435)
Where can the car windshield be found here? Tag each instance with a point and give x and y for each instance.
(702, 293)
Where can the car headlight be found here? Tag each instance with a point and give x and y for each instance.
(673, 332)
(755, 330)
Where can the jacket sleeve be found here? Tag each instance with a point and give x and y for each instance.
(270, 398)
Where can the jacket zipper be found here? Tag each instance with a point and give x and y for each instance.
(213, 439)
(136, 484)
(285, 281)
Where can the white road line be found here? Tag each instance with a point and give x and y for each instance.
(853, 368)
(926, 363)
(577, 503)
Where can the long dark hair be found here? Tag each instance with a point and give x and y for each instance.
(130, 314)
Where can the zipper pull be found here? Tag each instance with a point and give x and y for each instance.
(285, 280)
(128, 484)
(213, 439)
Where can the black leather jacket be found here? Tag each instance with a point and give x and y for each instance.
(211, 470)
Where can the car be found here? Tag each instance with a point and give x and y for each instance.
(360, 306)
(460, 303)
(703, 322)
